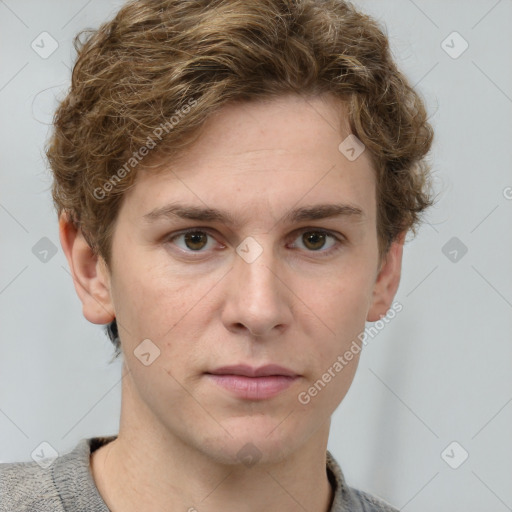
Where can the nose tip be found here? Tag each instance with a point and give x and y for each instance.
(260, 331)
(256, 300)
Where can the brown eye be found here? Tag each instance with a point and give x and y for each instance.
(195, 240)
(314, 240)
(322, 242)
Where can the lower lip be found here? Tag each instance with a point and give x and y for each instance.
(254, 388)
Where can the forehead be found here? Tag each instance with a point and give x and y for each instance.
(255, 157)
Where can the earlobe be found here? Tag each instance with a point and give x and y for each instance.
(388, 279)
(89, 271)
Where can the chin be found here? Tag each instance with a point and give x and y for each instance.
(252, 442)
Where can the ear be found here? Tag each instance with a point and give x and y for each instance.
(387, 281)
(89, 271)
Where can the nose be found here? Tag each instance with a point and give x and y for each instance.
(257, 299)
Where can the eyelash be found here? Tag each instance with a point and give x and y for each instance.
(340, 241)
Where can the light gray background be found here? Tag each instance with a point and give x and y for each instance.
(439, 372)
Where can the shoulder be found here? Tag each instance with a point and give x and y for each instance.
(348, 498)
(63, 484)
(25, 486)
(370, 503)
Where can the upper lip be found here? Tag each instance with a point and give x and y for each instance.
(249, 371)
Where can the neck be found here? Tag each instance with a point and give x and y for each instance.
(149, 468)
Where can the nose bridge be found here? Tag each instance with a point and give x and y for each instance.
(259, 279)
(257, 299)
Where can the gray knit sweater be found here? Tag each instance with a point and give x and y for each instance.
(67, 485)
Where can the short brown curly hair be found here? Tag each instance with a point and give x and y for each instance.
(166, 65)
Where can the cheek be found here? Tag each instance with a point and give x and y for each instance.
(157, 303)
(147, 302)
(340, 308)
(339, 302)
(324, 389)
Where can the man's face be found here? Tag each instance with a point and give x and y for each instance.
(296, 293)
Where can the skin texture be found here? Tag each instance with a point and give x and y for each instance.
(294, 306)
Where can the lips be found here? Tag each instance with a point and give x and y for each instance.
(250, 383)
(249, 371)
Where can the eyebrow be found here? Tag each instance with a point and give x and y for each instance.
(205, 214)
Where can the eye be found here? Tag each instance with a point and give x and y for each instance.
(317, 240)
(313, 240)
(194, 240)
